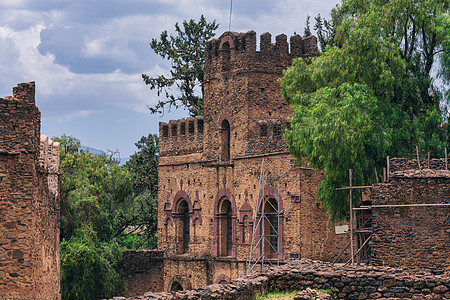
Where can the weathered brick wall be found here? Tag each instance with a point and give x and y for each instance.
(143, 271)
(413, 237)
(29, 202)
(363, 282)
(241, 90)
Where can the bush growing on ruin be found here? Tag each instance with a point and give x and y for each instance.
(371, 93)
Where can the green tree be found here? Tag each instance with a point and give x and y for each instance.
(88, 268)
(368, 94)
(185, 51)
(141, 219)
(307, 30)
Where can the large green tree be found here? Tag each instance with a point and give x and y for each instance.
(105, 208)
(185, 50)
(141, 218)
(94, 192)
(371, 92)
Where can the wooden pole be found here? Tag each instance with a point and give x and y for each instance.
(350, 171)
(446, 166)
(376, 174)
(384, 174)
(417, 153)
(388, 167)
(428, 160)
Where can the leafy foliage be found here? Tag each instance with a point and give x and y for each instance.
(88, 268)
(104, 208)
(185, 50)
(370, 93)
(142, 217)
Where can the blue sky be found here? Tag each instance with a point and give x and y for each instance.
(87, 57)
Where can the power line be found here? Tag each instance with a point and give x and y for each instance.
(231, 9)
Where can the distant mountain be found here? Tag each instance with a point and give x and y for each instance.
(123, 160)
(91, 150)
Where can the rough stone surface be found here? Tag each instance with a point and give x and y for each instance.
(303, 275)
(210, 167)
(29, 201)
(416, 237)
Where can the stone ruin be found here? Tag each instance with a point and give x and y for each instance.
(29, 201)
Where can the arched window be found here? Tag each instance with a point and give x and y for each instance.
(225, 229)
(225, 56)
(176, 287)
(225, 131)
(183, 222)
(271, 228)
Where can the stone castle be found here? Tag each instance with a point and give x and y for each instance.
(209, 213)
(210, 168)
(215, 211)
(29, 201)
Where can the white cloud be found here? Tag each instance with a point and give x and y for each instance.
(94, 47)
(87, 60)
(70, 116)
(13, 3)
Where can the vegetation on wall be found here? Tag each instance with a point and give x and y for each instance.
(371, 92)
(185, 50)
(105, 208)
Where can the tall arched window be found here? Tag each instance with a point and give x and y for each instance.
(225, 229)
(271, 228)
(225, 49)
(183, 233)
(225, 128)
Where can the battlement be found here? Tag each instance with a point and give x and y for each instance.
(49, 154)
(245, 44)
(183, 136)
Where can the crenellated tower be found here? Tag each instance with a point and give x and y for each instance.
(209, 169)
(241, 89)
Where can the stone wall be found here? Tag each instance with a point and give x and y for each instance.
(358, 282)
(210, 169)
(416, 237)
(29, 201)
(143, 271)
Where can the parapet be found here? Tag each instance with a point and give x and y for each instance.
(245, 43)
(237, 53)
(49, 155)
(183, 136)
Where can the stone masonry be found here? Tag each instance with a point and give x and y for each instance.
(210, 166)
(351, 282)
(413, 237)
(29, 201)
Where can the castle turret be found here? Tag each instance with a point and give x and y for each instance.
(241, 88)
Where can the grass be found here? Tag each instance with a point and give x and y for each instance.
(276, 295)
(283, 295)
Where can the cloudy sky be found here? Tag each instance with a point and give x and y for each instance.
(87, 57)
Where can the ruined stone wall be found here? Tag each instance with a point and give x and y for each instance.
(362, 282)
(198, 178)
(413, 237)
(29, 202)
(143, 271)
